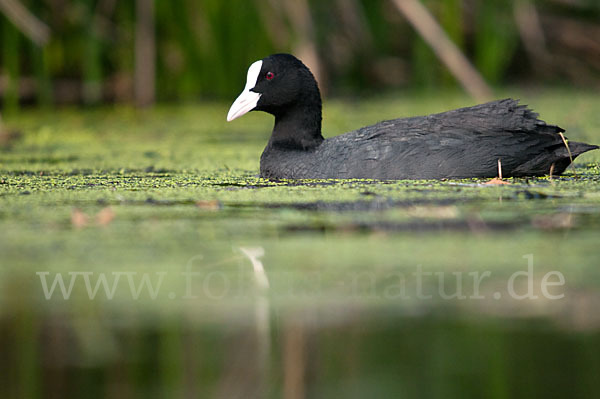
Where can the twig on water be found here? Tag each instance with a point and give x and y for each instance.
(499, 169)
(497, 180)
(562, 136)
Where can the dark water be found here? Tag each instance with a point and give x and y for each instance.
(316, 353)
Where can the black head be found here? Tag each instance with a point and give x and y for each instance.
(284, 87)
(277, 84)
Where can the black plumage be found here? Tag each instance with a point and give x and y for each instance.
(463, 143)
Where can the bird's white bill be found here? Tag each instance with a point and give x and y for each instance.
(246, 101)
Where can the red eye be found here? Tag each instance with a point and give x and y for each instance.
(269, 75)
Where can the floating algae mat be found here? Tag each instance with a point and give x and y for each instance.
(142, 255)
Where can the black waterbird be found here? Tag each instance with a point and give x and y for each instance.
(463, 143)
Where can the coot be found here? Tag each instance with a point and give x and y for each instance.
(463, 143)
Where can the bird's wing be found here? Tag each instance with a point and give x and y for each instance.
(459, 143)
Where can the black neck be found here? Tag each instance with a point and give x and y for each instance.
(298, 127)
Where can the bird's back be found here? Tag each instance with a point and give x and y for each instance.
(466, 142)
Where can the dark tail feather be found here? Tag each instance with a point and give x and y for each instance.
(577, 149)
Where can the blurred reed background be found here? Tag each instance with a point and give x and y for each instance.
(97, 51)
